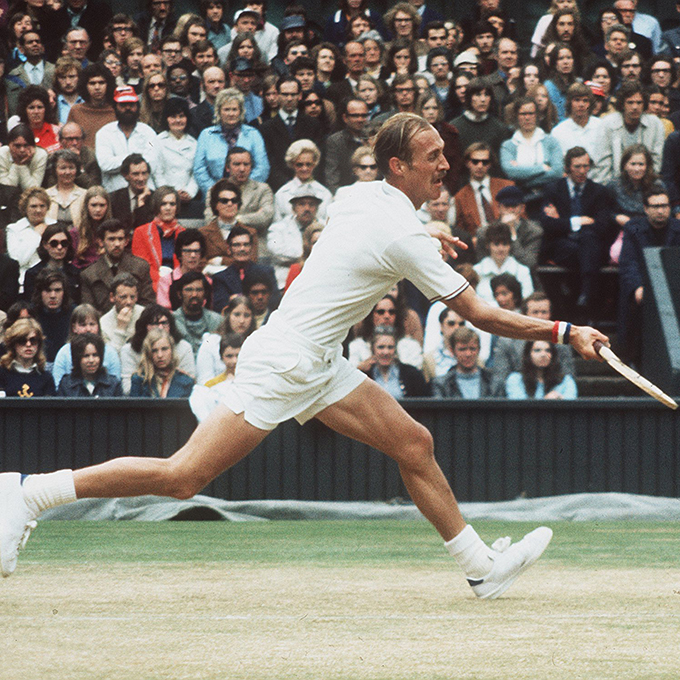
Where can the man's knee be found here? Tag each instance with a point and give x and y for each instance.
(417, 447)
(182, 483)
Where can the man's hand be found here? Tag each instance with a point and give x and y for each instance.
(582, 339)
(639, 293)
(184, 196)
(551, 211)
(123, 317)
(449, 243)
(143, 197)
(585, 220)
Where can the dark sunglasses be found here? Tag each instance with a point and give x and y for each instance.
(57, 243)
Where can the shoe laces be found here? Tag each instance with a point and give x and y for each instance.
(501, 544)
(30, 525)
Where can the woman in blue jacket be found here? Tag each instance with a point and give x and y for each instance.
(89, 378)
(229, 131)
(541, 376)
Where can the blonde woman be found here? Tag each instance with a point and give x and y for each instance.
(67, 197)
(157, 375)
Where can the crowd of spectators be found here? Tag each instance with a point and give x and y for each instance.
(164, 178)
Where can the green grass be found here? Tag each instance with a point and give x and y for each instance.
(588, 544)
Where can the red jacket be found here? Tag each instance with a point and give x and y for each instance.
(146, 243)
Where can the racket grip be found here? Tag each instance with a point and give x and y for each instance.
(598, 345)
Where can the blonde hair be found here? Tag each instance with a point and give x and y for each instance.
(33, 192)
(20, 330)
(227, 95)
(301, 146)
(146, 369)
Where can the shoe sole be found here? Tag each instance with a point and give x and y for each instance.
(543, 535)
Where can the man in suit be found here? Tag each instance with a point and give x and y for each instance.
(34, 71)
(96, 282)
(156, 23)
(341, 145)
(354, 57)
(92, 15)
(202, 116)
(476, 204)
(229, 281)
(577, 221)
(286, 127)
(132, 204)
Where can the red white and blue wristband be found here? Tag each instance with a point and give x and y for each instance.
(560, 332)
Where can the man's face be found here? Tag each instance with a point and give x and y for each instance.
(96, 88)
(121, 32)
(259, 297)
(294, 52)
(115, 243)
(440, 68)
(538, 309)
(480, 102)
(579, 169)
(243, 80)
(21, 150)
(355, 57)
(68, 82)
(565, 28)
(213, 82)
(633, 108)
(193, 296)
(171, 53)
(53, 297)
(241, 248)
(296, 33)
(436, 37)
(77, 44)
(658, 105)
(384, 349)
(504, 297)
(499, 251)
(289, 96)
(507, 54)
(484, 42)
(466, 354)
(127, 112)
(356, 116)
(203, 60)
(246, 24)
(160, 9)
(439, 207)
(77, 5)
(124, 297)
(240, 167)
(190, 257)
(631, 68)
(580, 107)
(450, 323)
(33, 48)
(305, 210)
(137, 177)
(405, 95)
(305, 76)
(403, 24)
(151, 63)
(489, 5)
(658, 210)
(627, 10)
(616, 43)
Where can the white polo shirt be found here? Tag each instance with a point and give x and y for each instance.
(372, 240)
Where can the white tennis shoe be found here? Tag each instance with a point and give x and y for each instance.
(16, 521)
(509, 561)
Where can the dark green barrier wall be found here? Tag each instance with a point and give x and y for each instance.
(489, 450)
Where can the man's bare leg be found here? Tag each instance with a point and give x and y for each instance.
(373, 417)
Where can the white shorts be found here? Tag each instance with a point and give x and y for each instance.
(281, 375)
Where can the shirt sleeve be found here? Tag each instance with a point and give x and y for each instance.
(415, 257)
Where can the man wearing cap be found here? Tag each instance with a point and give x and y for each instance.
(476, 204)
(242, 77)
(526, 234)
(468, 62)
(253, 19)
(116, 141)
(580, 128)
(284, 239)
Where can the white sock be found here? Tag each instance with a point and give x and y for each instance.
(48, 491)
(471, 553)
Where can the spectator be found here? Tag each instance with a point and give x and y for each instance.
(158, 375)
(155, 241)
(228, 132)
(284, 240)
(93, 16)
(56, 253)
(400, 60)
(440, 65)
(656, 228)
(219, 33)
(455, 99)
(242, 79)
(302, 157)
(34, 70)
(176, 151)
(35, 110)
(577, 223)
(399, 380)
(84, 319)
(23, 237)
(441, 213)
(119, 29)
(89, 377)
(192, 318)
(498, 237)
(154, 316)
(118, 324)
(258, 288)
(629, 125)
(190, 253)
(156, 23)
(180, 83)
(341, 145)
(538, 39)
(440, 359)
(71, 138)
(239, 319)
(617, 39)
(97, 279)
(95, 210)
(229, 282)
(23, 367)
(670, 39)
(385, 313)
(602, 78)
(134, 203)
(113, 63)
(337, 23)
(289, 126)
(504, 80)
(66, 197)
(309, 237)
(531, 158)
(76, 44)
(364, 169)
(476, 204)
(354, 58)
(131, 54)
(403, 21)
(465, 379)
(66, 74)
(630, 66)
(541, 376)
(115, 141)
(643, 24)
(252, 19)
(526, 234)
(52, 308)
(22, 162)
(153, 98)
(329, 67)
(213, 81)
(372, 92)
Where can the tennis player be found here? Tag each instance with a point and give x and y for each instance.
(293, 368)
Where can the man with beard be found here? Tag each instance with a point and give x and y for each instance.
(117, 140)
(193, 319)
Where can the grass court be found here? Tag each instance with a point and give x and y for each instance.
(344, 600)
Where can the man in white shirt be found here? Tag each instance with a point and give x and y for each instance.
(118, 324)
(253, 19)
(116, 141)
(293, 367)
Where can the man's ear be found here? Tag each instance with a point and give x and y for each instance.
(396, 166)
